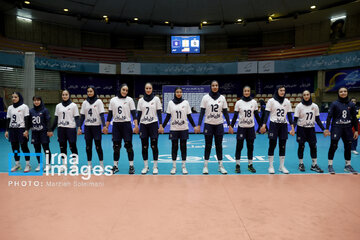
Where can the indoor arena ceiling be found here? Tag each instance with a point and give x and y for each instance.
(150, 17)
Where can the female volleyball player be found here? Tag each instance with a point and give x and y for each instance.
(40, 125)
(306, 114)
(17, 130)
(342, 115)
(179, 111)
(278, 107)
(92, 112)
(213, 106)
(121, 108)
(149, 116)
(67, 120)
(246, 108)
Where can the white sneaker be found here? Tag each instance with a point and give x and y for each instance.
(222, 170)
(37, 169)
(173, 171)
(355, 152)
(145, 170)
(16, 167)
(155, 171)
(283, 169)
(271, 170)
(27, 168)
(205, 170)
(184, 170)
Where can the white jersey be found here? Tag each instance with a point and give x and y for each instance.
(213, 109)
(17, 116)
(278, 111)
(148, 110)
(121, 108)
(306, 115)
(179, 114)
(92, 112)
(66, 115)
(246, 113)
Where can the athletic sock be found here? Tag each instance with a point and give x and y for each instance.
(116, 163)
(131, 163)
(155, 163)
(183, 163)
(237, 161)
(271, 161)
(282, 161)
(347, 162)
(250, 161)
(314, 161)
(174, 164)
(330, 162)
(301, 161)
(206, 163)
(146, 165)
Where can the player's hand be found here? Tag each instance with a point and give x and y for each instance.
(79, 131)
(326, 133)
(263, 129)
(6, 134)
(161, 130)
(105, 130)
(356, 135)
(50, 134)
(231, 130)
(136, 130)
(26, 134)
(292, 132)
(197, 129)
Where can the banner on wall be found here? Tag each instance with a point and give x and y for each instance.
(107, 68)
(294, 83)
(192, 93)
(77, 84)
(247, 67)
(130, 68)
(266, 67)
(349, 78)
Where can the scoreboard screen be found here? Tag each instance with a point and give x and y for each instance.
(185, 44)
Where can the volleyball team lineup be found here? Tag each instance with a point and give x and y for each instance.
(341, 123)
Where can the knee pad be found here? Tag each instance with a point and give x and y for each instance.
(117, 147)
(153, 143)
(63, 146)
(333, 146)
(72, 146)
(128, 145)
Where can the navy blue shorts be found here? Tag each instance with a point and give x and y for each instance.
(305, 135)
(342, 132)
(210, 129)
(66, 134)
(175, 135)
(278, 130)
(93, 132)
(245, 133)
(16, 135)
(122, 130)
(149, 130)
(39, 137)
